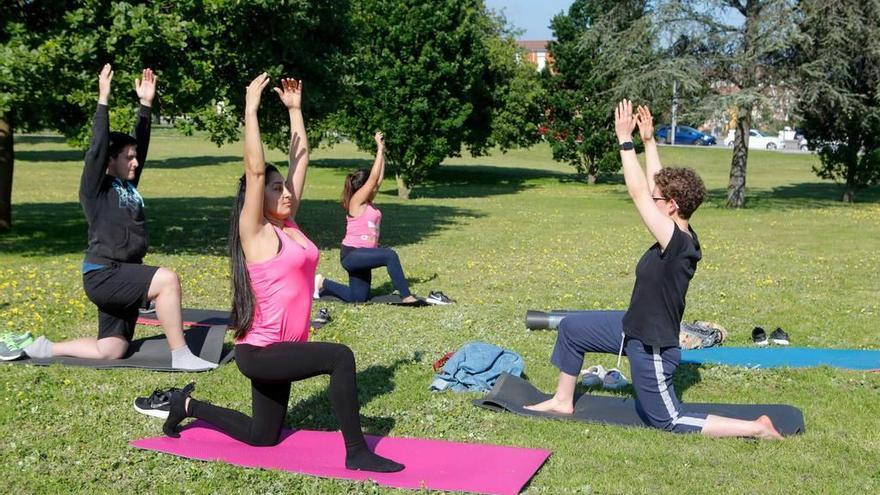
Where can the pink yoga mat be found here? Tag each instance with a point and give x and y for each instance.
(432, 464)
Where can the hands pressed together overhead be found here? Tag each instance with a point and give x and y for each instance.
(625, 122)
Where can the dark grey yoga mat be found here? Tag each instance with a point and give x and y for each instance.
(153, 353)
(511, 393)
(383, 299)
(201, 317)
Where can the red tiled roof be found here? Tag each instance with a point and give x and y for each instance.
(534, 45)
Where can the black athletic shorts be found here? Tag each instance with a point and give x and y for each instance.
(119, 290)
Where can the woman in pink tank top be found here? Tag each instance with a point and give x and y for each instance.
(273, 268)
(360, 252)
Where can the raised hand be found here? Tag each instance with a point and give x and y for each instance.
(645, 121)
(255, 92)
(290, 93)
(104, 79)
(624, 121)
(146, 87)
(380, 140)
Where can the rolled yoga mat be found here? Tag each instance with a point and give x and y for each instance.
(511, 393)
(778, 357)
(153, 353)
(430, 464)
(382, 299)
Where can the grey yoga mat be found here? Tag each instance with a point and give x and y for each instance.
(152, 353)
(511, 393)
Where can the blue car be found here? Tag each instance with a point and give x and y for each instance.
(685, 135)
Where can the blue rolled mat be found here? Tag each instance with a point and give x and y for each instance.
(779, 357)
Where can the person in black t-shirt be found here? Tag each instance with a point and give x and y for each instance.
(648, 332)
(114, 276)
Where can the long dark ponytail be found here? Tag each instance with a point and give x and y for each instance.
(353, 182)
(242, 293)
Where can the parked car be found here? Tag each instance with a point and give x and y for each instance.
(685, 135)
(757, 140)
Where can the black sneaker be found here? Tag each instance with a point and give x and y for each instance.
(158, 403)
(323, 316)
(759, 336)
(779, 337)
(438, 298)
(149, 309)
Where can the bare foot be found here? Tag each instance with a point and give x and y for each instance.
(553, 405)
(409, 299)
(768, 431)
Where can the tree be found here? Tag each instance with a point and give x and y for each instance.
(742, 48)
(838, 58)
(204, 54)
(431, 76)
(602, 51)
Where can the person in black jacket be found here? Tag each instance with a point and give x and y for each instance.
(114, 276)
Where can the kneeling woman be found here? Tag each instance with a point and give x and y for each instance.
(273, 265)
(648, 332)
(360, 248)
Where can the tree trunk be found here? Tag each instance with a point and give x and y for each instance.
(403, 189)
(736, 188)
(7, 156)
(849, 195)
(592, 172)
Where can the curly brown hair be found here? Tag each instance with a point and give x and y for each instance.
(684, 186)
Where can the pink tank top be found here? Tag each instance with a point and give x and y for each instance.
(362, 231)
(283, 287)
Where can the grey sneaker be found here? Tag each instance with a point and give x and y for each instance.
(12, 345)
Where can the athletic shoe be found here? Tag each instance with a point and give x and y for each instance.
(323, 316)
(759, 336)
(158, 403)
(150, 309)
(17, 339)
(12, 345)
(779, 337)
(593, 376)
(614, 380)
(438, 298)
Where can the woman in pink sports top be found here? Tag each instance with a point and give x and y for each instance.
(273, 268)
(360, 251)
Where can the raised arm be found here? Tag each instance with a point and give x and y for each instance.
(660, 226)
(645, 121)
(377, 174)
(146, 91)
(99, 147)
(252, 220)
(298, 153)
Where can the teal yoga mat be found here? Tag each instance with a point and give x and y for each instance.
(779, 357)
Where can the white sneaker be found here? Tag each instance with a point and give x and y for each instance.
(593, 376)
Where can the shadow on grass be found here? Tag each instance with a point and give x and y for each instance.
(480, 181)
(33, 139)
(375, 381)
(54, 155)
(200, 225)
(803, 195)
(192, 161)
(388, 287)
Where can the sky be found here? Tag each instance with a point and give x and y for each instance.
(533, 16)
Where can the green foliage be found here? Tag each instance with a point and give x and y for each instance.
(205, 53)
(839, 89)
(435, 77)
(796, 259)
(584, 80)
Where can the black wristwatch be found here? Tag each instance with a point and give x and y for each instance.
(627, 146)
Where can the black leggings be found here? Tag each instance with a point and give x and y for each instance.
(271, 370)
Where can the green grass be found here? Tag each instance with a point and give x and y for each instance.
(501, 234)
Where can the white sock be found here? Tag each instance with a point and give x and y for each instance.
(39, 348)
(183, 359)
(317, 293)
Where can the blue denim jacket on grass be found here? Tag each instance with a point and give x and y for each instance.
(475, 367)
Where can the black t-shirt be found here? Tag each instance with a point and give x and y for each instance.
(658, 297)
(113, 207)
